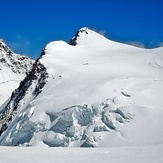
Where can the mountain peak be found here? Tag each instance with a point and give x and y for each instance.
(4, 47)
(2, 41)
(84, 34)
(94, 94)
(17, 63)
(13, 68)
(91, 38)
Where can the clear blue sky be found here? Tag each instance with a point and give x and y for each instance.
(28, 25)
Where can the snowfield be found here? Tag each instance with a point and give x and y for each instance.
(98, 93)
(134, 154)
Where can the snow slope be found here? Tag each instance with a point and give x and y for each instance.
(13, 68)
(98, 93)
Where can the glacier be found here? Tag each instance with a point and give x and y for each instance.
(92, 92)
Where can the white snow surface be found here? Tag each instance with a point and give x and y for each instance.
(8, 82)
(134, 154)
(99, 93)
(13, 68)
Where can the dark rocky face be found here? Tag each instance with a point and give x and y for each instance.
(73, 41)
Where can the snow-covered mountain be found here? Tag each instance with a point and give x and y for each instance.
(89, 93)
(13, 68)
